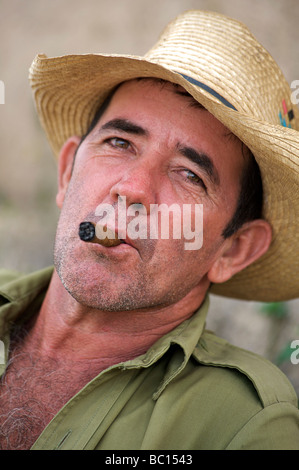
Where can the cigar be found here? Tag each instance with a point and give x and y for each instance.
(87, 233)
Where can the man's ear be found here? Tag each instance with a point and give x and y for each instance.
(65, 166)
(248, 244)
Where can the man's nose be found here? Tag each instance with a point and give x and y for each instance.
(138, 184)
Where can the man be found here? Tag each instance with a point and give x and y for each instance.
(109, 349)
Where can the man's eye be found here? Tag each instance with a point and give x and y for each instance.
(194, 178)
(119, 143)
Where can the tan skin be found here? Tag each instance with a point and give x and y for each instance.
(146, 169)
(109, 305)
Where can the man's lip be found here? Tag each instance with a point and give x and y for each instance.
(122, 234)
(127, 241)
(123, 237)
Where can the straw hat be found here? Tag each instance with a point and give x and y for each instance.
(219, 62)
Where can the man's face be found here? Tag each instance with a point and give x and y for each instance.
(151, 146)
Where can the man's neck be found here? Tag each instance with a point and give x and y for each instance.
(67, 330)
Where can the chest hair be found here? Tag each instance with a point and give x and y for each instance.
(32, 391)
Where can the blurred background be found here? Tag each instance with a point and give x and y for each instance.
(28, 213)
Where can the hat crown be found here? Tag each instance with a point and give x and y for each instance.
(221, 53)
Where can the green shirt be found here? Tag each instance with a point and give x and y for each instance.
(191, 390)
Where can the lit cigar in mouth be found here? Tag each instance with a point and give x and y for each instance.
(87, 233)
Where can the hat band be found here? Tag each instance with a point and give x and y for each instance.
(209, 90)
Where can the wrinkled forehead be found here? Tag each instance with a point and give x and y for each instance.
(179, 91)
(162, 85)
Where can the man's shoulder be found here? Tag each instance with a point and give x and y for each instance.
(7, 278)
(227, 397)
(270, 383)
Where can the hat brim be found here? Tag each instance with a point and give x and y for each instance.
(69, 89)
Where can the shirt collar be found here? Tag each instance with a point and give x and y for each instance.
(185, 336)
(18, 293)
(21, 297)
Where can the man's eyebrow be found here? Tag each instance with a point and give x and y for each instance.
(124, 125)
(203, 161)
(200, 159)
